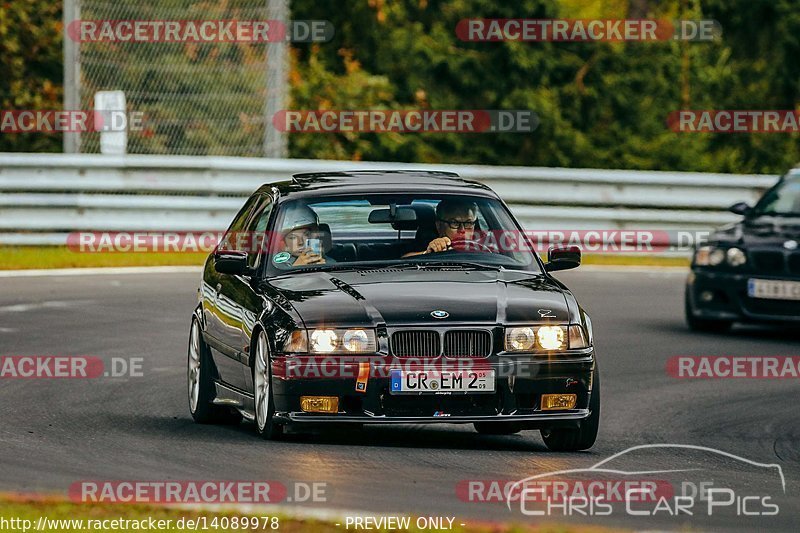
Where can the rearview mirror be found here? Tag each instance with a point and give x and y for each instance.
(231, 262)
(740, 208)
(392, 214)
(562, 258)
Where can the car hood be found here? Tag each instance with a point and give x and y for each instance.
(407, 297)
(761, 231)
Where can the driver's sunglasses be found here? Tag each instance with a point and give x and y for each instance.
(459, 224)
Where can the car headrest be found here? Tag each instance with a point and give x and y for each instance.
(326, 237)
(426, 223)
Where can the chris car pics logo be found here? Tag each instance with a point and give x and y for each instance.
(753, 490)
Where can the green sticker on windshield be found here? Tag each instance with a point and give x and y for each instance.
(281, 257)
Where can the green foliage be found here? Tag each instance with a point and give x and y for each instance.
(600, 105)
(30, 67)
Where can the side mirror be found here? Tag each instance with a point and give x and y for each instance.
(740, 208)
(231, 262)
(562, 258)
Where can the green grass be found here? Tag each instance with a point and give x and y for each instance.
(33, 507)
(635, 260)
(31, 257)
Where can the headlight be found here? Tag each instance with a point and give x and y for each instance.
(356, 340)
(329, 340)
(323, 340)
(716, 257)
(708, 255)
(545, 338)
(735, 257)
(520, 339)
(550, 337)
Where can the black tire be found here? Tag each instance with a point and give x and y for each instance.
(703, 324)
(497, 428)
(202, 409)
(266, 426)
(582, 437)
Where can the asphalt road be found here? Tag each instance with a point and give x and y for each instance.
(56, 432)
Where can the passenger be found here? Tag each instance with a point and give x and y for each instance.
(455, 222)
(301, 228)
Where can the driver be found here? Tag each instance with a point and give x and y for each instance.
(455, 221)
(299, 225)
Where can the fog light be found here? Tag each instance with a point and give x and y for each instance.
(319, 404)
(551, 402)
(706, 296)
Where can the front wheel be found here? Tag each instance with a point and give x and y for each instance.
(582, 437)
(266, 426)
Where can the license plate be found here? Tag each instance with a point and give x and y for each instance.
(773, 289)
(434, 382)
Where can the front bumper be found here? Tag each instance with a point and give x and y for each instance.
(519, 383)
(730, 300)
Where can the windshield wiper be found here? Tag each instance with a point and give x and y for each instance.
(470, 264)
(418, 265)
(356, 266)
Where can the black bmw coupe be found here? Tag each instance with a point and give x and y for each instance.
(749, 271)
(386, 297)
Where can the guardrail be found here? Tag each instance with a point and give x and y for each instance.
(43, 197)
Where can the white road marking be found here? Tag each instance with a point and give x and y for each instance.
(51, 304)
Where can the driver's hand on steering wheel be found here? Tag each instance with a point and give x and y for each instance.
(440, 244)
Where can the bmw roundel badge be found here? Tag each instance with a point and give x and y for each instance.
(440, 314)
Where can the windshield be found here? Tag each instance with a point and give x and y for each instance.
(415, 231)
(781, 200)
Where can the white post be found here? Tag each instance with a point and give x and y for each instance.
(275, 142)
(72, 74)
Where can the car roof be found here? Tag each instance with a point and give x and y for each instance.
(376, 181)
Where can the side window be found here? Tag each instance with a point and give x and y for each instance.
(483, 224)
(237, 226)
(257, 232)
